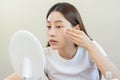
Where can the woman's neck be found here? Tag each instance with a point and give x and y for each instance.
(68, 52)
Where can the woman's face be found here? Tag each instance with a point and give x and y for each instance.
(56, 23)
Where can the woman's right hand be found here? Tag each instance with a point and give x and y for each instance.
(13, 76)
(78, 37)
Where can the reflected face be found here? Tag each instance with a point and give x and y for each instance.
(56, 23)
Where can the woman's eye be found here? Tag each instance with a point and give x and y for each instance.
(59, 27)
(48, 27)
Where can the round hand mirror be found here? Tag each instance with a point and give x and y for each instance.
(26, 55)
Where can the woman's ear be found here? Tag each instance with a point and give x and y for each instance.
(77, 27)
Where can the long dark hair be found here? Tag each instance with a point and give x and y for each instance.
(70, 13)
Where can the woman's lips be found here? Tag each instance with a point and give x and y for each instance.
(53, 42)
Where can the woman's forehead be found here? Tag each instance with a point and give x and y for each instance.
(56, 17)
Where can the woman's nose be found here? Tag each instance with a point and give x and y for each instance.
(52, 32)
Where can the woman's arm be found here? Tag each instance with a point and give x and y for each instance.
(13, 76)
(102, 61)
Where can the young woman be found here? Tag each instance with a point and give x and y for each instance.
(71, 54)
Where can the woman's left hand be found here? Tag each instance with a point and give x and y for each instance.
(78, 37)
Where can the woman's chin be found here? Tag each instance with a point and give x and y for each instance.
(54, 47)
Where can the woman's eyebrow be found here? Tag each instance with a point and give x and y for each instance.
(59, 21)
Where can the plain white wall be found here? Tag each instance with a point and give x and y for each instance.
(101, 18)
